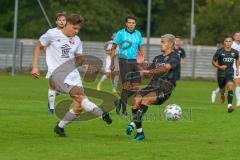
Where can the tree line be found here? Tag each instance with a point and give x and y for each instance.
(213, 18)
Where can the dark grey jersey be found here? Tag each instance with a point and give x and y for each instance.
(226, 58)
(160, 60)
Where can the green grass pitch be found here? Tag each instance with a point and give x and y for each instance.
(205, 132)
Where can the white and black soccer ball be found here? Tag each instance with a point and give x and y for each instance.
(173, 112)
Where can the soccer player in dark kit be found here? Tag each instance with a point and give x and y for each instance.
(181, 53)
(223, 60)
(163, 71)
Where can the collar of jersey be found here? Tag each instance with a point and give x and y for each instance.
(129, 32)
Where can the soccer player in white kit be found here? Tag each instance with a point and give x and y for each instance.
(60, 20)
(236, 46)
(61, 47)
(108, 70)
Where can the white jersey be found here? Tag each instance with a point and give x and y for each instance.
(108, 47)
(59, 49)
(236, 47)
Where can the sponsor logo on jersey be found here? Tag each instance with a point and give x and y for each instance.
(228, 59)
(65, 51)
(159, 65)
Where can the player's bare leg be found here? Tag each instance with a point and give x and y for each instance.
(128, 90)
(222, 92)
(237, 91)
(139, 108)
(115, 79)
(214, 94)
(51, 96)
(103, 78)
(80, 102)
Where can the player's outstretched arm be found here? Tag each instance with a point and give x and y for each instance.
(80, 60)
(112, 52)
(157, 71)
(35, 69)
(143, 53)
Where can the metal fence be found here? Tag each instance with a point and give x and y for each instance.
(198, 60)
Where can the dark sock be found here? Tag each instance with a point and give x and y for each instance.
(138, 114)
(124, 97)
(130, 93)
(134, 114)
(230, 97)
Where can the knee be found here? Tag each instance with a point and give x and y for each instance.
(237, 83)
(77, 109)
(127, 85)
(136, 102)
(78, 98)
(135, 86)
(88, 105)
(230, 87)
(145, 102)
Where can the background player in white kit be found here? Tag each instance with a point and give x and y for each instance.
(63, 46)
(60, 20)
(108, 71)
(236, 46)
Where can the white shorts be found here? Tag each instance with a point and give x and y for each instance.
(74, 79)
(71, 80)
(108, 64)
(234, 67)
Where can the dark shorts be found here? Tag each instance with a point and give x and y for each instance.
(162, 88)
(223, 80)
(129, 70)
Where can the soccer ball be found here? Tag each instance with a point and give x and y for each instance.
(173, 112)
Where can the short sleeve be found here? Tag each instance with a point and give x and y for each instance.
(152, 65)
(174, 61)
(140, 40)
(117, 38)
(46, 38)
(183, 55)
(216, 56)
(79, 47)
(237, 55)
(108, 46)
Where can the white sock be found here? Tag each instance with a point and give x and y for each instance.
(217, 91)
(104, 77)
(237, 92)
(133, 124)
(69, 117)
(51, 98)
(91, 107)
(115, 81)
(139, 130)
(229, 105)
